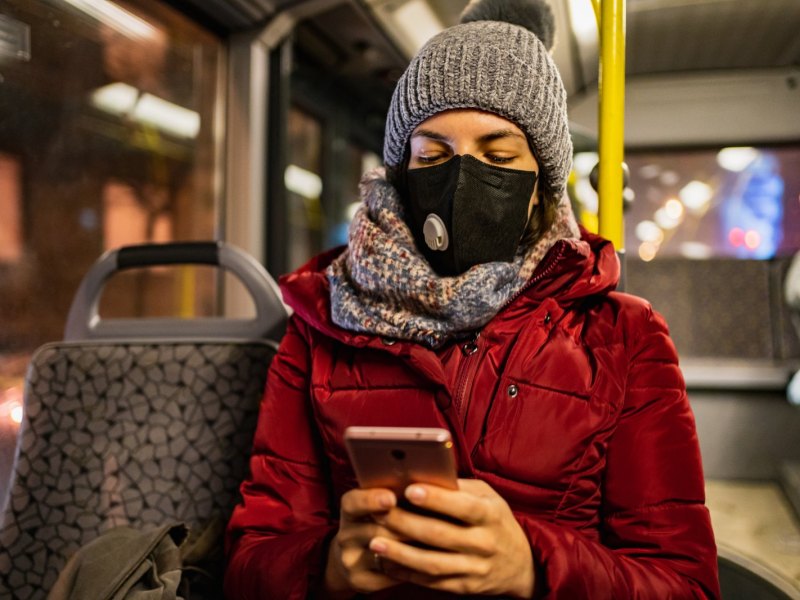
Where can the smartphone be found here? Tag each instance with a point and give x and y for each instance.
(396, 457)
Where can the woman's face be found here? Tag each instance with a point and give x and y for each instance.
(484, 135)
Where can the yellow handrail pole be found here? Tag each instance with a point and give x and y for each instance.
(188, 286)
(611, 89)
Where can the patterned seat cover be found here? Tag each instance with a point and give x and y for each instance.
(138, 434)
(140, 422)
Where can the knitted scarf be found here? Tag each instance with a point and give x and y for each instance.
(383, 285)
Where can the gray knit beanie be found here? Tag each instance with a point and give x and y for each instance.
(496, 60)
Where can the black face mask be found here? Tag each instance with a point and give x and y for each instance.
(465, 212)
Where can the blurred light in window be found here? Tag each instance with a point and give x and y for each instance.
(667, 219)
(650, 171)
(352, 208)
(584, 162)
(121, 99)
(115, 17)
(648, 251)
(736, 237)
(696, 196)
(587, 194)
(10, 209)
(116, 98)
(736, 159)
(128, 217)
(752, 239)
(669, 178)
(696, 250)
(167, 116)
(674, 209)
(15, 39)
(719, 205)
(302, 182)
(628, 195)
(369, 161)
(647, 231)
(11, 404)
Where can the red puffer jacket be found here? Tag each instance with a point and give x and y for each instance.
(573, 408)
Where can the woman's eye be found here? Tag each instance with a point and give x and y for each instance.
(499, 160)
(430, 158)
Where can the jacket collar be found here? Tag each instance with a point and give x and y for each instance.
(571, 270)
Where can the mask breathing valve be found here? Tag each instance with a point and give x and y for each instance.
(435, 233)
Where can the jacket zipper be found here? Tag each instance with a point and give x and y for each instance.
(546, 269)
(466, 371)
(468, 366)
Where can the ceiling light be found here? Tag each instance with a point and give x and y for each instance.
(115, 17)
(167, 116)
(417, 23)
(115, 98)
(123, 100)
(584, 21)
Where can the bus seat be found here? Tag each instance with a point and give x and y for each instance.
(742, 578)
(138, 422)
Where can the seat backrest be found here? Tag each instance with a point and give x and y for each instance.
(142, 430)
(742, 578)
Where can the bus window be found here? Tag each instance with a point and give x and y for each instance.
(736, 202)
(304, 187)
(354, 162)
(107, 137)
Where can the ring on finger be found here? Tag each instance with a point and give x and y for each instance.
(377, 562)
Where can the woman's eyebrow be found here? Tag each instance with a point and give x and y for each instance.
(499, 134)
(427, 133)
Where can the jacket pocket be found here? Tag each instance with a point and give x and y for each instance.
(535, 434)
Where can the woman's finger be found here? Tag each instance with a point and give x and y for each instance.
(466, 506)
(431, 563)
(358, 504)
(438, 533)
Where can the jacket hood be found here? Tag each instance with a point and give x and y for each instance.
(571, 270)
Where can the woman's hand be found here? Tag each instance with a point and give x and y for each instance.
(488, 554)
(351, 566)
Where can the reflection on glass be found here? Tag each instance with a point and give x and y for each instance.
(730, 202)
(320, 209)
(355, 162)
(106, 139)
(131, 216)
(304, 187)
(10, 210)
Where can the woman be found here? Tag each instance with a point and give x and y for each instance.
(469, 299)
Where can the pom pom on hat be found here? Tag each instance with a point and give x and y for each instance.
(534, 15)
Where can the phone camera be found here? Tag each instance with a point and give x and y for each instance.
(398, 454)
